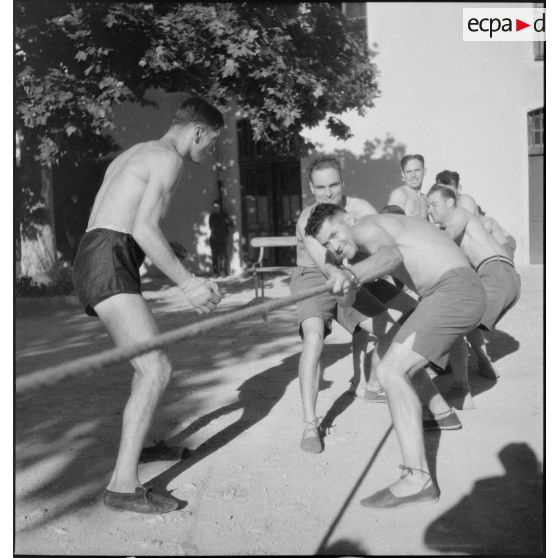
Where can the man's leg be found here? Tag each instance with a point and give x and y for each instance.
(394, 369)
(361, 344)
(129, 320)
(309, 372)
(459, 394)
(371, 329)
(478, 344)
(214, 257)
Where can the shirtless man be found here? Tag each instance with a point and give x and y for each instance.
(451, 179)
(496, 271)
(507, 242)
(124, 228)
(315, 314)
(409, 197)
(465, 201)
(452, 303)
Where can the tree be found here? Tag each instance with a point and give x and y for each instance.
(285, 65)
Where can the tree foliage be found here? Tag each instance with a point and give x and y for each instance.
(285, 65)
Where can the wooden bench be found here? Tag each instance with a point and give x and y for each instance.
(258, 269)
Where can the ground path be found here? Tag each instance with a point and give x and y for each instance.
(234, 401)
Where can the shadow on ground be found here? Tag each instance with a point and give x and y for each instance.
(502, 515)
(499, 344)
(67, 434)
(256, 398)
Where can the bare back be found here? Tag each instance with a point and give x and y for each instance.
(474, 240)
(427, 252)
(411, 201)
(126, 182)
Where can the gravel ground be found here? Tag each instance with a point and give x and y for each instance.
(234, 402)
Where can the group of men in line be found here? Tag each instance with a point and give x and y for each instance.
(417, 287)
(460, 265)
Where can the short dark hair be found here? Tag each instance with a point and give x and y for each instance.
(408, 158)
(318, 215)
(198, 111)
(447, 178)
(324, 162)
(394, 209)
(446, 191)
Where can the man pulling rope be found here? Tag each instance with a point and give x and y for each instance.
(123, 228)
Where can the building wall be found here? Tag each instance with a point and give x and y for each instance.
(463, 105)
(187, 220)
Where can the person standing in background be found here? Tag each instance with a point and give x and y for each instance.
(219, 224)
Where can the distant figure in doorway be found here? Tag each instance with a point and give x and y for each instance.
(219, 224)
(73, 224)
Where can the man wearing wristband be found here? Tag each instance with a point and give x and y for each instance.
(452, 304)
(123, 228)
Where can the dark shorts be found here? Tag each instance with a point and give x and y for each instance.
(107, 263)
(325, 307)
(450, 309)
(392, 296)
(502, 285)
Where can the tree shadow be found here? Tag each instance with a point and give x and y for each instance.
(374, 174)
(501, 515)
(256, 398)
(75, 424)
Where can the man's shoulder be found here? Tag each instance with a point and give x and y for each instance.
(359, 207)
(402, 190)
(305, 213)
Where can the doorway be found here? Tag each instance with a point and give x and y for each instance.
(270, 188)
(535, 127)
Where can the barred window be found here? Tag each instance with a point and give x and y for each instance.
(535, 123)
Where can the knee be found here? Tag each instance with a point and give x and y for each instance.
(313, 336)
(387, 373)
(156, 370)
(382, 373)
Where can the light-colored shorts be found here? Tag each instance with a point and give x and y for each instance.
(325, 307)
(502, 285)
(451, 308)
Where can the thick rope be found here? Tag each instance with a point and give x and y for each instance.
(53, 374)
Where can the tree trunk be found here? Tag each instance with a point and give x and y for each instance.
(38, 251)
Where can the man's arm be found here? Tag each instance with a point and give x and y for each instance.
(146, 230)
(360, 208)
(338, 279)
(385, 257)
(457, 223)
(500, 235)
(203, 295)
(316, 251)
(468, 203)
(398, 197)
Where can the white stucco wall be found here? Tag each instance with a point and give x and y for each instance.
(463, 105)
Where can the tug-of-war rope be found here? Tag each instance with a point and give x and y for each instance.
(53, 374)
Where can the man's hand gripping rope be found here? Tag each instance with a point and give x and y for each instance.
(202, 294)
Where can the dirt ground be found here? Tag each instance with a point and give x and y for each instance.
(249, 489)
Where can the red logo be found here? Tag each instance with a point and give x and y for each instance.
(519, 25)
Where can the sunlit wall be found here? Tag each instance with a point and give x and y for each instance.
(463, 105)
